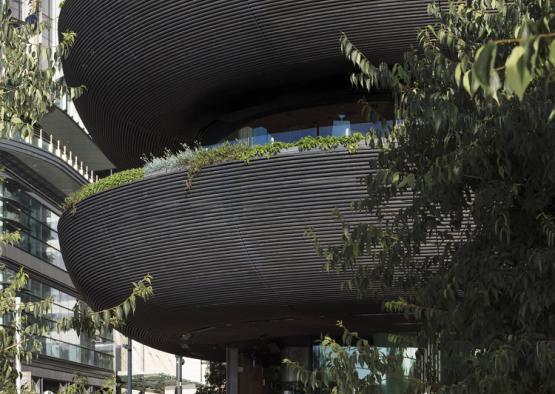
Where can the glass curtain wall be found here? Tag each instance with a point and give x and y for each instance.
(403, 362)
(260, 135)
(68, 346)
(338, 120)
(20, 211)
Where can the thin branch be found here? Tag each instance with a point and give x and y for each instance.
(521, 40)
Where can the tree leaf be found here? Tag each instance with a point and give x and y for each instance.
(552, 52)
(517, 75)
(458, 74)
(484, 64)
(467, 84)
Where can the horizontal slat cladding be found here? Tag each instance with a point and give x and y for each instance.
(229, 251)
(157, 72)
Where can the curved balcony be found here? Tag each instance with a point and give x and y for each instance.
(46, 142)
(229, 257)
(40, 152)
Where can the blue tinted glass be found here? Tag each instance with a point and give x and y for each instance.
(393, 385)
(364, 128)
(325, 131)
(260, 136)
(340, 127)
(294, 135)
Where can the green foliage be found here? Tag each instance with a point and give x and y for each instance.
(77, 386)
(30, 331)
(80, 385)
(110, 182)
(109, 385)
(195, 159)
(33, 325)
(28, 83)
(475, 155)
(11, 238)
(511, 62)
(85, 320)
(214, 378)
(29, 87)
(355, 364)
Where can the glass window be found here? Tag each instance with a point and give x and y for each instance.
(20, 211)
(339, 120)
(294, 135)
(404, 361)
(68, 345)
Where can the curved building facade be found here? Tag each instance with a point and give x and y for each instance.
(159, 73)
(232, 266)
(229, 257)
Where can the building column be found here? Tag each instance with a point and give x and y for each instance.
(129, 365)
(17, 339)
(232, 370)
(178, 370)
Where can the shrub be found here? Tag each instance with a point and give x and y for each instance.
(169, 161)
(196, 158)
(110, 182)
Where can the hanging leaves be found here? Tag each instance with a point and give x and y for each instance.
(462, 199)
(484, 65)
(518, 76)
(35, 322)
(85, 320)
(29, 83)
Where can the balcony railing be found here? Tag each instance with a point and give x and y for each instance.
(42, 140)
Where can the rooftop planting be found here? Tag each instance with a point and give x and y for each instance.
(110, 182)
(193, 159)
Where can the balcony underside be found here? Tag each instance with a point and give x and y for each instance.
(63, 128)
(161, 72)
(229, 257)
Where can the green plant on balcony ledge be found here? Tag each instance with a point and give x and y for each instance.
(110, 182)
(194, 159)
